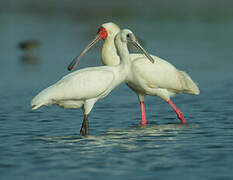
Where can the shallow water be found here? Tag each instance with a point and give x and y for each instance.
(45, 144)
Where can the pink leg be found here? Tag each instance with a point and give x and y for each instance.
(143, 113)
(179, 114)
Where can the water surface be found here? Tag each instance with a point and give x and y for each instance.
(45, 144)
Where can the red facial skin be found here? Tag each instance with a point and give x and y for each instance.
(102, 33)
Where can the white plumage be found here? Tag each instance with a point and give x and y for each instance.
(73, 90)
(81, 89)
(160, 79)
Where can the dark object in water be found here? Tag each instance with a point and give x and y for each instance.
(29, 45)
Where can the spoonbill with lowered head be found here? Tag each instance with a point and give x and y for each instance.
(81, 89)
(160, 79)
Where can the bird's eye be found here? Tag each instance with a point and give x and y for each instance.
(127, 36)
(101, 29)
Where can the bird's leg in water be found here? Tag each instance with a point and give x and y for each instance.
(143, 113)
(84, 128)
(178, 112)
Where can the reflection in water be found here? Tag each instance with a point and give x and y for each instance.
(125, 137)
(28, 47)
(29, 59)
(192, 38)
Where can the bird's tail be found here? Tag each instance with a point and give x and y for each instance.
(188, 84)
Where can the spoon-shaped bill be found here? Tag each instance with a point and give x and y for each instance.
(75, 61)
(137, 45)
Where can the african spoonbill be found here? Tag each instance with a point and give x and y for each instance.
(83, 88)
(160, 79)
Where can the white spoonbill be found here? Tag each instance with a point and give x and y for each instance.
(160, 79)
(81, 89)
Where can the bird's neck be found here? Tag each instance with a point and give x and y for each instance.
(109, 53)
(124, 57)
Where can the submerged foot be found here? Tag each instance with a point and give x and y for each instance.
(84, 128)
(143, 123)
(143, 114)
(83, 131)
(178, 112)
(181, 117)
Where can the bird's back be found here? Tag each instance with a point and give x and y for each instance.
(84, 84)
(79, 85)
(162, 74)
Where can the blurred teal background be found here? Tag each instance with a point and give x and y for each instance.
(195, 36)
